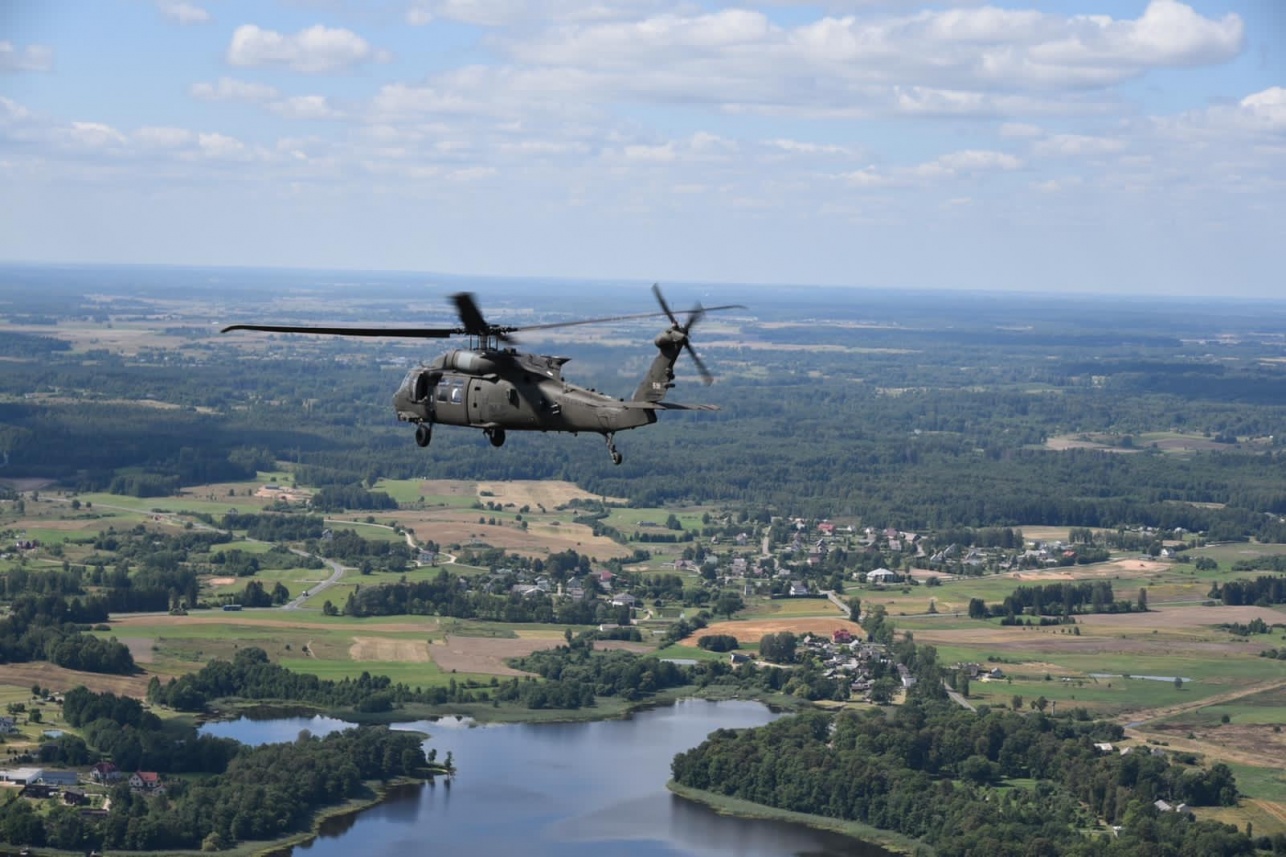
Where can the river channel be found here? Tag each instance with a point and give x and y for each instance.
(558, 790)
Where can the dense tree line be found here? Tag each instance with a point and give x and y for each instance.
(1264, 590)
(250, 675)
(265, 793)
(929, 771)
(1054, 599)
(50, 628)
(444, 595)
(274, 527)
(336, 498)
(348, 546)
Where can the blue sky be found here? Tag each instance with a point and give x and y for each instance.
(1051, 145)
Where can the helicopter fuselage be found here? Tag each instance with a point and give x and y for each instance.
(507, 390)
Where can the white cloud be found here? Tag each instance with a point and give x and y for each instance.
(94, 135)
(183, 13)
(1077, 145)
(315, 49)
(28, 58)
(966, 62)
(471, 174)
(230, 89)
(1266, 109)
(1019, 130)
(946, 167)
(158, 137)
(418, 16)
(799, 147)
(221, 147)
(1169, 33)
(305, 107)
(975, 160)
(12, 111)
(650, 154)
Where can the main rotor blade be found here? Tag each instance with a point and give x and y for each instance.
(611, 318)
(706, 377)
(656, 292)
(404, 332)
(474, 323)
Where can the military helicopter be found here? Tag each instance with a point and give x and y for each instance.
(494, 387)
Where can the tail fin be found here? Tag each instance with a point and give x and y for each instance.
(660, 375)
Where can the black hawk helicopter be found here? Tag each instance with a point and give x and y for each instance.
(494, 387)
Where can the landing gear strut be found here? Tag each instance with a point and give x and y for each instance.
(610, 437)
(496, 436)
(423, 434)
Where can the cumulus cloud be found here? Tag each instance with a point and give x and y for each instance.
(94, 135)
(1077, 145)
(800, 147)
(945, 167)
(163, 137)
(183, 13)
(26, 58)
(305, 107)
(230, 89)
(955, 61)
(315, 49)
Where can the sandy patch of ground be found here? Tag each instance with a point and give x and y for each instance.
(1116, 568)
(58, 678)
(140, 648)
(485, 655)
(386, 649)
(754, 630)
(221, 581)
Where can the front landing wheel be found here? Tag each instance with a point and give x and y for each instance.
(496, 436)
(423, 434)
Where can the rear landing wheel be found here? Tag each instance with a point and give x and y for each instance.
(423, 434)
(496, 436)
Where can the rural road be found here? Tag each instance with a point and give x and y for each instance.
(337, 573)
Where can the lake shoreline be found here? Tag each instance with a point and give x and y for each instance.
(891, 842)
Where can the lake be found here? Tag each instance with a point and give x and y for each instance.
(558, 790)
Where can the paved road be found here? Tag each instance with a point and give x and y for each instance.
(337, 574)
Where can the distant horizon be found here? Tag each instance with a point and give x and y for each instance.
(1120, 294)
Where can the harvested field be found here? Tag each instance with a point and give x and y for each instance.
(485, 655)
(1048, 641)
(252, 623)
(140, 648)
(1183, 617)
(60, 679)
(387, 649)
(754, 630)
(539, 540)
(522, 492)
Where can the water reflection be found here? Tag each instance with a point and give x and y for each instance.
(562, 790)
